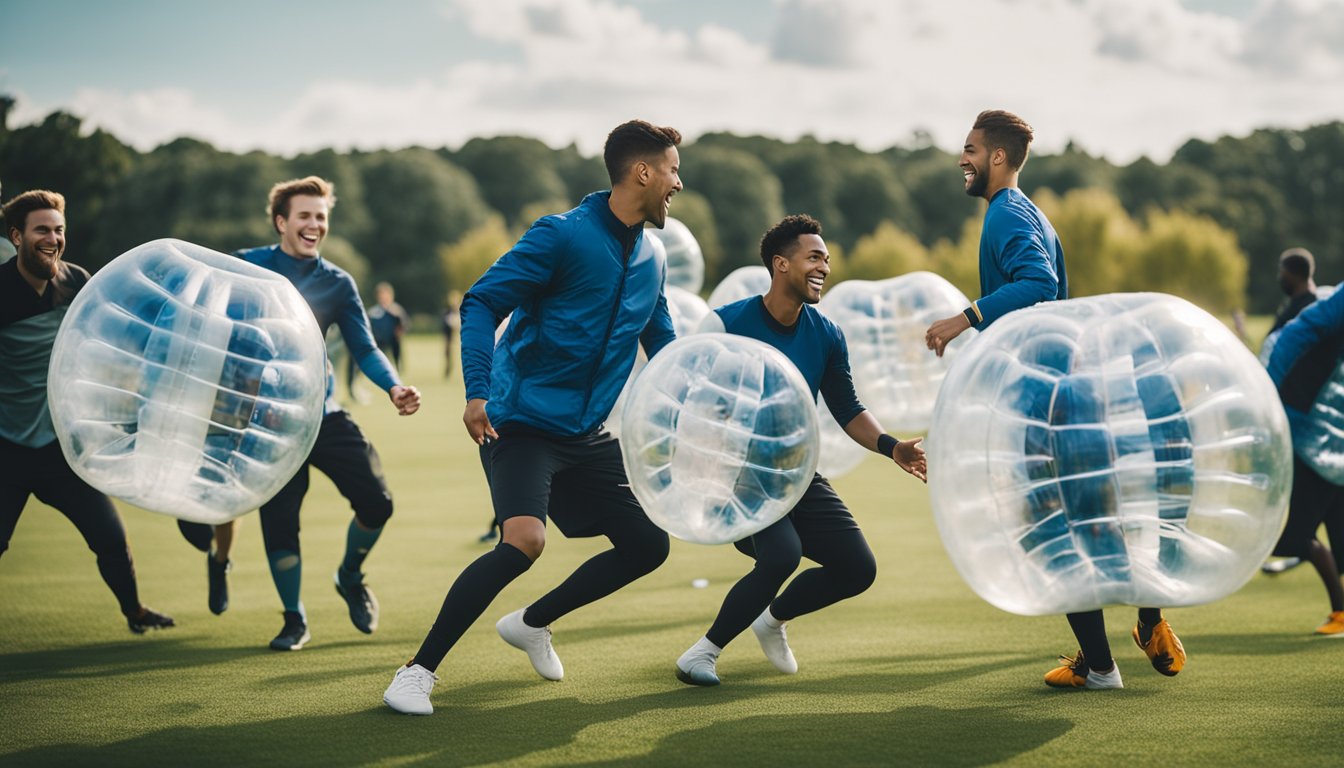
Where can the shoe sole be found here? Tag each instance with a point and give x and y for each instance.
(687, 679)
(400, 711)
(373, 625)
(297, 646)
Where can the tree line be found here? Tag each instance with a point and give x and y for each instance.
(1208, 225)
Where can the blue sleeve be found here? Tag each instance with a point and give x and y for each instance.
(658, 332)
(837, 385)
(1303, 332)
(1025, 261)
(354, 325)
(514, 278)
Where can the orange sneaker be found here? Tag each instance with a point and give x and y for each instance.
(1071, 673)
(1164, 648)
(1333, 626)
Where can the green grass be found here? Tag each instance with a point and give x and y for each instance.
(917, 670)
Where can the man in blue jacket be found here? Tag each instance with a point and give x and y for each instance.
(584, 289)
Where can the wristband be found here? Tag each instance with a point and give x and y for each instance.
(886, 444)
(972, 315)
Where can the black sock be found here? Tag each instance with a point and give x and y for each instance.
(468, 598)
(1090, 629)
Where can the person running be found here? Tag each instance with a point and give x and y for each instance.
(585, 288)
(36, 288)
(820, 526)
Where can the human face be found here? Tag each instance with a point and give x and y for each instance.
(302, 232)
(974, 164)
(663, 180)
(806, 268)
(40, 245)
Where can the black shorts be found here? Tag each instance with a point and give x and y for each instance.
(578, 482)
(821, 510)
(1313, 498)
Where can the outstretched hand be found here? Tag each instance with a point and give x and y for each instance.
(942, 332)
(909, 455)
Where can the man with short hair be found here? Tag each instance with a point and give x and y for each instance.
(820, 526)
(585, 288)
(36, 288)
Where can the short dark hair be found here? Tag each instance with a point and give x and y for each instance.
(17, 209)
(628, 143)
(784, 235)
(313, 186)
(1299, 262)
(1006, 131)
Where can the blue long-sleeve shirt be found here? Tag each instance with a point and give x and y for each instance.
(1307, 352)
(333, 297)
(584, 290)
(1021, 258)
(814, 344)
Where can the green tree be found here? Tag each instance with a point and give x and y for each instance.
(958, 261)
(888, 252)
(1098, 236)
(1191, 257)
(467, 259)
(513, 173)
(745, 197)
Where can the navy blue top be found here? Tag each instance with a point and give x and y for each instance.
(814, 344)
(1021, 259)
(333, 297)
(584, 290)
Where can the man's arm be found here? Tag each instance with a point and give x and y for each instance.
(1304, 332)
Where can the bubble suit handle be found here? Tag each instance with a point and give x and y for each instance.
(1120, 449)
(719, 437)
(187, 382)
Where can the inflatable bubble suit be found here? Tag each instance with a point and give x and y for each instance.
(839, 453)
(741, 283)
(685, 261)
(187, 382)
(1114, 449)
(719, 437)
(687, 311)
(895, 374)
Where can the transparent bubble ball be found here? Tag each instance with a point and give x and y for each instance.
(741, 283)
(187, 382)
(685, 260)
(840, 455)
(896, 375)
(1121, 449)
(719, 437)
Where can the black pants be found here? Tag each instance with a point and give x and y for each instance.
(343, 454)
(1314, 500)
(820, 528)
(43, 472)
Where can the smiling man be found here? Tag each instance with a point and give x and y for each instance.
(585, 288)
(1021, 259)
(36, 288)
(300, 211)
(820, 527)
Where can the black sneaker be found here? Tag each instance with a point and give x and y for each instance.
(293, 635)
(218, 575)
(363, 605)
(148, 618)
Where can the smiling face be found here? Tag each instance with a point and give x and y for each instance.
(40, 244)
(805, 268)
(304, 229)
(975, 164)
(662, 181)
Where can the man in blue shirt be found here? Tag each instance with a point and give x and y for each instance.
(584, 288)
(36, 288)
(1021, 264)
(299, 210)
(819, 527)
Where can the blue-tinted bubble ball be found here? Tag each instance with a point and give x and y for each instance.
(187, 382)
(719, 437)
(1121, 449)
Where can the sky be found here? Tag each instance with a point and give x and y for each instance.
(1119, 78)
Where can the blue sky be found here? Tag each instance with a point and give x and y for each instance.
(1120, 77)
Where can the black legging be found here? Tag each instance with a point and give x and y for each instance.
(44, 473)
(847, 568)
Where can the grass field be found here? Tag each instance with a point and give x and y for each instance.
(916, 671)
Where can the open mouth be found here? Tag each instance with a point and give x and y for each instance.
(816, 283)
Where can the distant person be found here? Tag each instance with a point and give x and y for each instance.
(300, 211)
(451, 323)
(586, 290)
(820, 526)
(389, 322)
(1021, 264)
(36, 288)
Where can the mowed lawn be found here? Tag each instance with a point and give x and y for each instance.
(916, 671)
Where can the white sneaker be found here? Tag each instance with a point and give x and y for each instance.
(536, 641)
(697, 665)
(409, 691)
(1097, 681)
(775, 642)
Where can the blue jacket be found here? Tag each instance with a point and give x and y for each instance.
(1306, 353)
(584, 291)
(1021, 259)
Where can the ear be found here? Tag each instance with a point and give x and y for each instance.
(279, 224)
(15, 236)
(642, 171)
(999, 156)
(780, 262)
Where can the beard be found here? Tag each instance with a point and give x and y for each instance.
(978, 185)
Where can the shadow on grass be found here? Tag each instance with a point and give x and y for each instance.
(1266, 644)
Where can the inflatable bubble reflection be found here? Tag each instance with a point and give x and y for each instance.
(685, 261)
(719, 437)
(187, 382)
(895, 374)
(1115, 449)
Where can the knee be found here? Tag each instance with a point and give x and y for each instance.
(653, 549)
(862, 574)
(777, 564)
(529, 539)
(375, 514)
